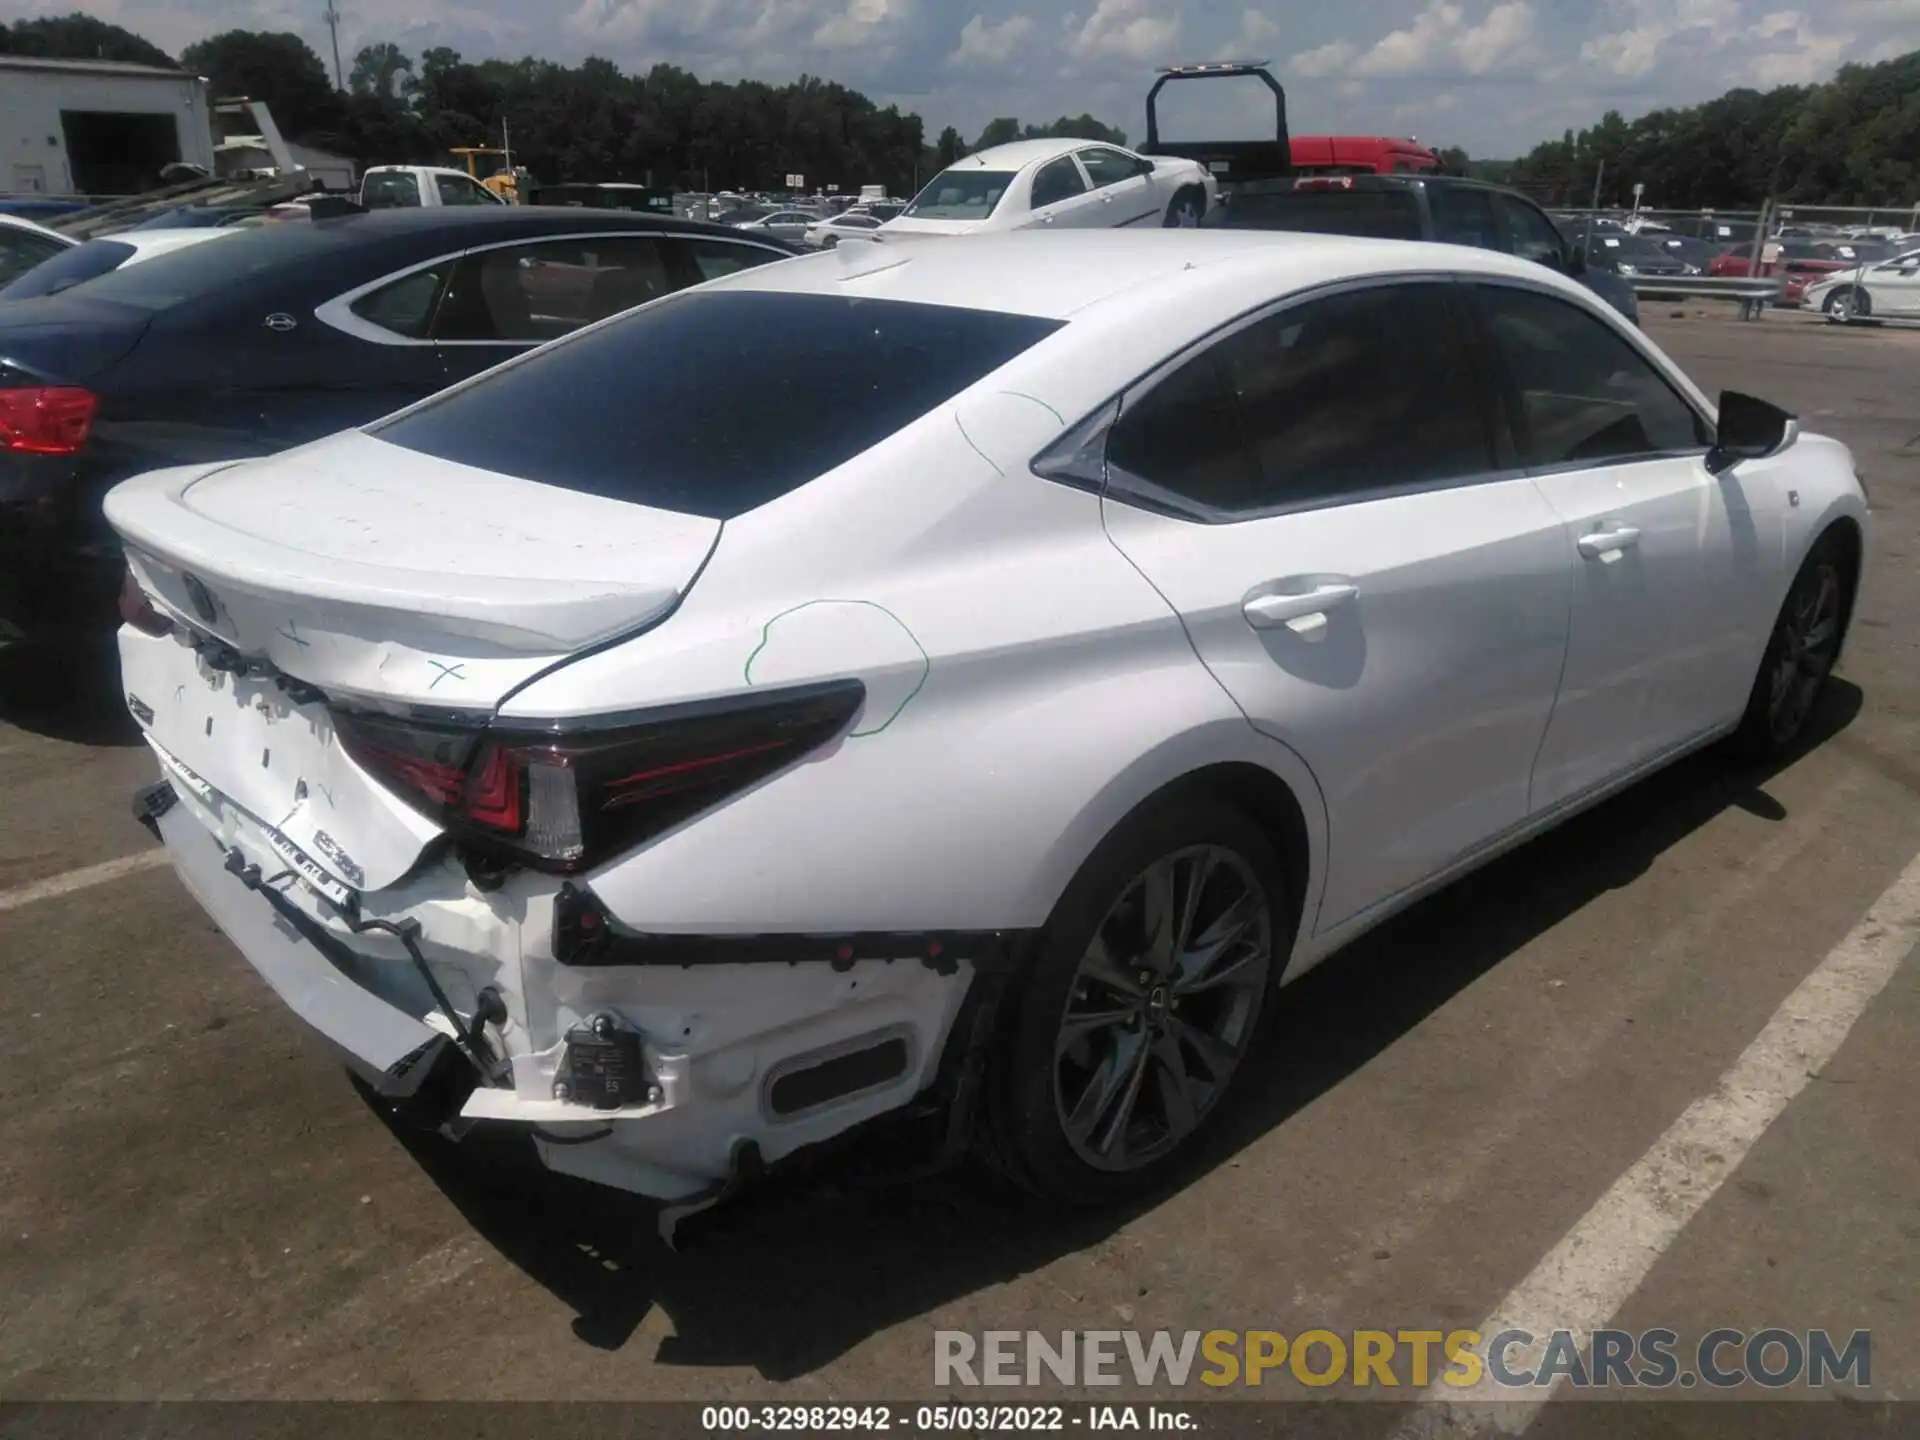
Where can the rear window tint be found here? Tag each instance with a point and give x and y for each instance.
(715, 402)
(67, 269)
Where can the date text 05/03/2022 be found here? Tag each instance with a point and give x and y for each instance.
(942, 1419)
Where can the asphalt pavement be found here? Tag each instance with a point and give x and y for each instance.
(1559, 1088)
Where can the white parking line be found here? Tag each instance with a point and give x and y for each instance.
(80, 879)
(1584, 1280)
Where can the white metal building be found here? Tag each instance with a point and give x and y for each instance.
(97, 127)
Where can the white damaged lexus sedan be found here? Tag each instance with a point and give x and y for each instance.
(1059, 185)
(949, 679)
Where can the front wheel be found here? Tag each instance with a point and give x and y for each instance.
(1146, 994)
(1800, 655)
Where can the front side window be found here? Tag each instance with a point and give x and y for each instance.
(716, 401)
(1107, 167)
(1055, 181)
(532, 293)
(405, 306)
(1332, 399)
(960, 194)
(1584, 394)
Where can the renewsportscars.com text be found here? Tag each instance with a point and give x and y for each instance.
(1772, 1358)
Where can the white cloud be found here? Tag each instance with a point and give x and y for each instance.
(1256, 33)
(985, 44)
(1332, 58)
(1635, 50)
(1137, 30)
(1798, 55)
(859, 24)
(1440, 41)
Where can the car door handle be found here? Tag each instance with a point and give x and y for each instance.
(1304, 614)
(1603, 543)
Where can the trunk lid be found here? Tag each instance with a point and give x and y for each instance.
(358, 566)
(915, 225)
(67, 339)
(386, 578)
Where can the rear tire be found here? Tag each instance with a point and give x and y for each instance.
(1116, 1051)
(1800, 653)
(1185, 211)
(1848, 305)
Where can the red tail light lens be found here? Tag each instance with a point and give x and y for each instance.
(572, 795)
(46, 419)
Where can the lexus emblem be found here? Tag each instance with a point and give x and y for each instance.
(202, 598)
(281, 321)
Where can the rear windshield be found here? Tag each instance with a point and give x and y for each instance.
(960, 195)
(389, 190)
(68, 269)
(196, 270)
(1373, 214)
(714, 402)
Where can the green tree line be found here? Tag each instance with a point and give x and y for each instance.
(592, 121)
(1854, 140)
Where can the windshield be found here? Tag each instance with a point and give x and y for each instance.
(959, 194)
(69, 268)
(715, 402)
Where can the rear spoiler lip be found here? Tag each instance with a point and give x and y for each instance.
(516, 615)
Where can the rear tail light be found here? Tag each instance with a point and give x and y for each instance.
(137, 610)
(566, 797)
(46, 419)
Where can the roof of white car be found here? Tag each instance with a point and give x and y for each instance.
(21, 222)
(1055, 274)
(157, 242)
(1018, 154)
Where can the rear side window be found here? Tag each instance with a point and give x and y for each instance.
(389, 191)
(21, 250)
(534, 293)
(716, 402)
(1463, 215)
(1055, 181)
(406, 306)
(1372, 214)
(1334, 399)
(69, 268)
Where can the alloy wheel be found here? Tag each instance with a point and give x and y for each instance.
(1840, 307)
(1162, 1007)
(1806, 640)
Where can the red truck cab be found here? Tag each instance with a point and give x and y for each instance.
(1361, 155)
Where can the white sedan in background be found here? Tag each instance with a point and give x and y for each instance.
(97, 257)
(970, 674)
(1887, 290)
(827, 233)
(1058, 184)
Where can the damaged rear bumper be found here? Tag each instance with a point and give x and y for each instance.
(657, 1076)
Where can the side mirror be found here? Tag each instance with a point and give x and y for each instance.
(1749, 429)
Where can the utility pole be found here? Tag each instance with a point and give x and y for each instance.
(1598, 175)
(332, 17)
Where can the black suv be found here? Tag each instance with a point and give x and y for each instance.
(1445, 208)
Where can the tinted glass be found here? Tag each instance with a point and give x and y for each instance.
(1584, 393)
(717, 401)
(714, 258)
(406, 306)
(69, 268)
(1377, 214)
(389, 190)
(540, 292)
(1107, 167)
(1531, 234)
(21, 250)
(1055, 181)
(458, 190)
(1337, 397)
(961, 195)
(1464, 216)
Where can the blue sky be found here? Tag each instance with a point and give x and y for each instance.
(1492, 75)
